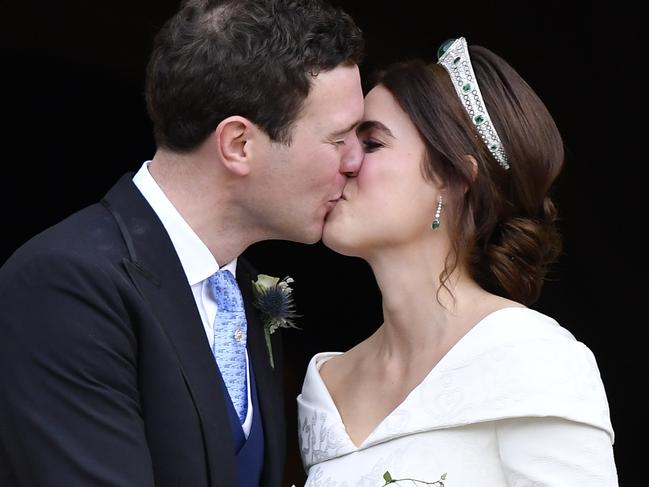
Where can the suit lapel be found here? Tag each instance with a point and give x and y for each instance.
(157, 272)
(269, 380)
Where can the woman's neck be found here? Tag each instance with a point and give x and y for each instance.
(422, 317)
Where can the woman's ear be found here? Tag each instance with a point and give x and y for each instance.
(232, 137)
(473, 167)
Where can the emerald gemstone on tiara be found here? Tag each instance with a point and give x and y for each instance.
(444, 47)
(453, 54)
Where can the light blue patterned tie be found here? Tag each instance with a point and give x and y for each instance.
(230, 332)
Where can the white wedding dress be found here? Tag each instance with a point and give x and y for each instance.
(516, 402)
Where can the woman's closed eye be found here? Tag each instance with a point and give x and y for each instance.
(371, 145)
(371, 134)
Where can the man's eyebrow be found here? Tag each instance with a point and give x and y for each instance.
(344, 131)
(373, 124)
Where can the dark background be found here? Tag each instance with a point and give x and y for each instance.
(74, 120)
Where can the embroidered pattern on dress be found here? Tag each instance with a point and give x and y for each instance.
(317, 439)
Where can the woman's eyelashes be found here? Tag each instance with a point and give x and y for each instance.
(370, 145)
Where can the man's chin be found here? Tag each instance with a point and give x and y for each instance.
(314, 235)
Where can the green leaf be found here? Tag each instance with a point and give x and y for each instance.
(387, 477)
(269, 346)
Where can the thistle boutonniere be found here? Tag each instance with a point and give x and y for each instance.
(389, 480)
(273, 297)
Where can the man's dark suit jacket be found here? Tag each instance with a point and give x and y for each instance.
(106, 376)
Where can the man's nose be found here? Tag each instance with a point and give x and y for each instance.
(353, 159)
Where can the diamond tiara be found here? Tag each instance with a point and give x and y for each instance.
(454, 56)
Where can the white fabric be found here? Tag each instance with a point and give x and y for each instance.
(196, 259)
(516, 402)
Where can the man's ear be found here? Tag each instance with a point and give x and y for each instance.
(232, 137)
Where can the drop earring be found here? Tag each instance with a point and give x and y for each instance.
(438, 212)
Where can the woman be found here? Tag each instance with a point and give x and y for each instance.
(451, 210)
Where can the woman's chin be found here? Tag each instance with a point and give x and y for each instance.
(333, 237)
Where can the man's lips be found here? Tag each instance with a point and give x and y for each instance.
(331, 204)
(336, 200)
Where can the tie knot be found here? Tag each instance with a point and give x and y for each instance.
(226, 291)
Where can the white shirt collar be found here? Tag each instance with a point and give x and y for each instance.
(196, 259)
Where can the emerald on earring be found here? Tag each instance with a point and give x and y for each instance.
(438, 212)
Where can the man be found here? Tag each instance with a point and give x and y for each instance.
(115, 368)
